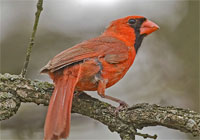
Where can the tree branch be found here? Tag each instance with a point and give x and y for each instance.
(14, 89)
(28, 52)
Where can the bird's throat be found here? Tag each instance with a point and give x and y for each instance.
(138, 41)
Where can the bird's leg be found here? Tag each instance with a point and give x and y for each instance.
(101, 91)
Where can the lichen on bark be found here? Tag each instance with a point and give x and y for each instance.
(14, 89)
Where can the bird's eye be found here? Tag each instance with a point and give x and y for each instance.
(131, 21)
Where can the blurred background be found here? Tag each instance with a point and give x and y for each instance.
(165, 71)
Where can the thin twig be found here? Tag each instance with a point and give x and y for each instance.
(28, 52)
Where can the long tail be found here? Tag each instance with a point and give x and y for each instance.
(57, 124)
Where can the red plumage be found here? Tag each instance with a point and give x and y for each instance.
(95, 64)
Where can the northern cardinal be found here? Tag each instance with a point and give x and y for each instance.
(95, 64)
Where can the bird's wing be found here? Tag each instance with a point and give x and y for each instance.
(114, 51)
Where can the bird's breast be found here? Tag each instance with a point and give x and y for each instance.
(93, 69)
(114, 72)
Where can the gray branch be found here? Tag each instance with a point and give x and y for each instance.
(14, 89)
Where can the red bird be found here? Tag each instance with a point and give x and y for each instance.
(92, 65)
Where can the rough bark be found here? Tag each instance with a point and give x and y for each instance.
(14, 89)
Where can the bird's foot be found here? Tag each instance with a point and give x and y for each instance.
(122, 105)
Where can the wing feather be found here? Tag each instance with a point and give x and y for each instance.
(111, 48)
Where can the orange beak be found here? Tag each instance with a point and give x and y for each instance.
(148, 27)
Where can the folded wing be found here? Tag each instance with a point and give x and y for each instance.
(112, 49)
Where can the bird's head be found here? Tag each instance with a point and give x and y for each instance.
(131, 29)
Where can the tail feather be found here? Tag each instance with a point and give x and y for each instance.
(57, 124)
(66, 130)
